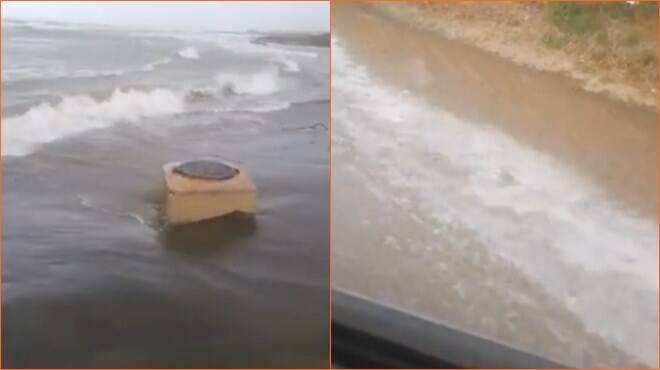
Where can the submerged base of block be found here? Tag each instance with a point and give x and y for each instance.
(191, 199)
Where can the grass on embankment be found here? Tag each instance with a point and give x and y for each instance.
(614, 43)
(611, 35)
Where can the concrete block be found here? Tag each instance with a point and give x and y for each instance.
(201, 190)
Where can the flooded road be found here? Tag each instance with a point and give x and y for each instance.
(500, 200)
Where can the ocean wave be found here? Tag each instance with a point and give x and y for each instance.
(288, 65)
(227, 104)
(264, 107)
(188, 53)
(74, 114)
(260, 83)
(270, 107)
(242, 43)
(44, 73)
(89, 73)
(151, 66)
(50, 25)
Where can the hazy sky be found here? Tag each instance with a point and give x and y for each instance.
(230, 16)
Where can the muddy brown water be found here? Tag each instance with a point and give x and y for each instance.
(464, 192)
(613, 142)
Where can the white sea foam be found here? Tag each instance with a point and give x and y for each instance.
(287, 64)
(50, 25)
(242, 43)
(270, 107)
(92, 73)
(46, 72)
(263, 107)
(556, 226)
(264, 82)
(151, 66)
(74, 114)
(49, 72)
(188, 53)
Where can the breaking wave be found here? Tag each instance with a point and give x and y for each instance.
(22, 73)
(243, 44)
(260, 83)
(151, 66)
(188, 53)
(287, 65)
(74, 114)
(263, 107)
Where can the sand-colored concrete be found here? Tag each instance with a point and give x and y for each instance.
(193, 199)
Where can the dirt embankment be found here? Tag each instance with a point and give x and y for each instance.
(610, 47)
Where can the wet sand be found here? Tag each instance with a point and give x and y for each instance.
(391, 249)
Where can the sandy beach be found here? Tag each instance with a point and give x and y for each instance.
(500, 199)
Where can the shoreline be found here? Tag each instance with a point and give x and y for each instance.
(612, 143)
(539, 293)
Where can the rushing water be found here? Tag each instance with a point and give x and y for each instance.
(461, 223)
(91, 276)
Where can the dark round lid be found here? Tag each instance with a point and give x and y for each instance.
(206, 170)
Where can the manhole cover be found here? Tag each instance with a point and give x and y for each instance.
(206, 170)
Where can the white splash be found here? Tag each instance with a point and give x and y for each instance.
(188, 53)
(288, 65)
(263, 82)
(151, 66)
(74, 114)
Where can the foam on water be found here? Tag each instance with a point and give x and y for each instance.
(263, 107)
(49, 72)
(242, 43)
(51, 25)
(233, 86)
(286, 56)
(558, 228)
(264, 82)
(288, 65)
(151, 66)
(188, 53)
(74, 114)
(45, 72)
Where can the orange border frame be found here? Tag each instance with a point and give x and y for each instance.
(331, 179)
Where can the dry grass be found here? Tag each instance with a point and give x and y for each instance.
(610, 46)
